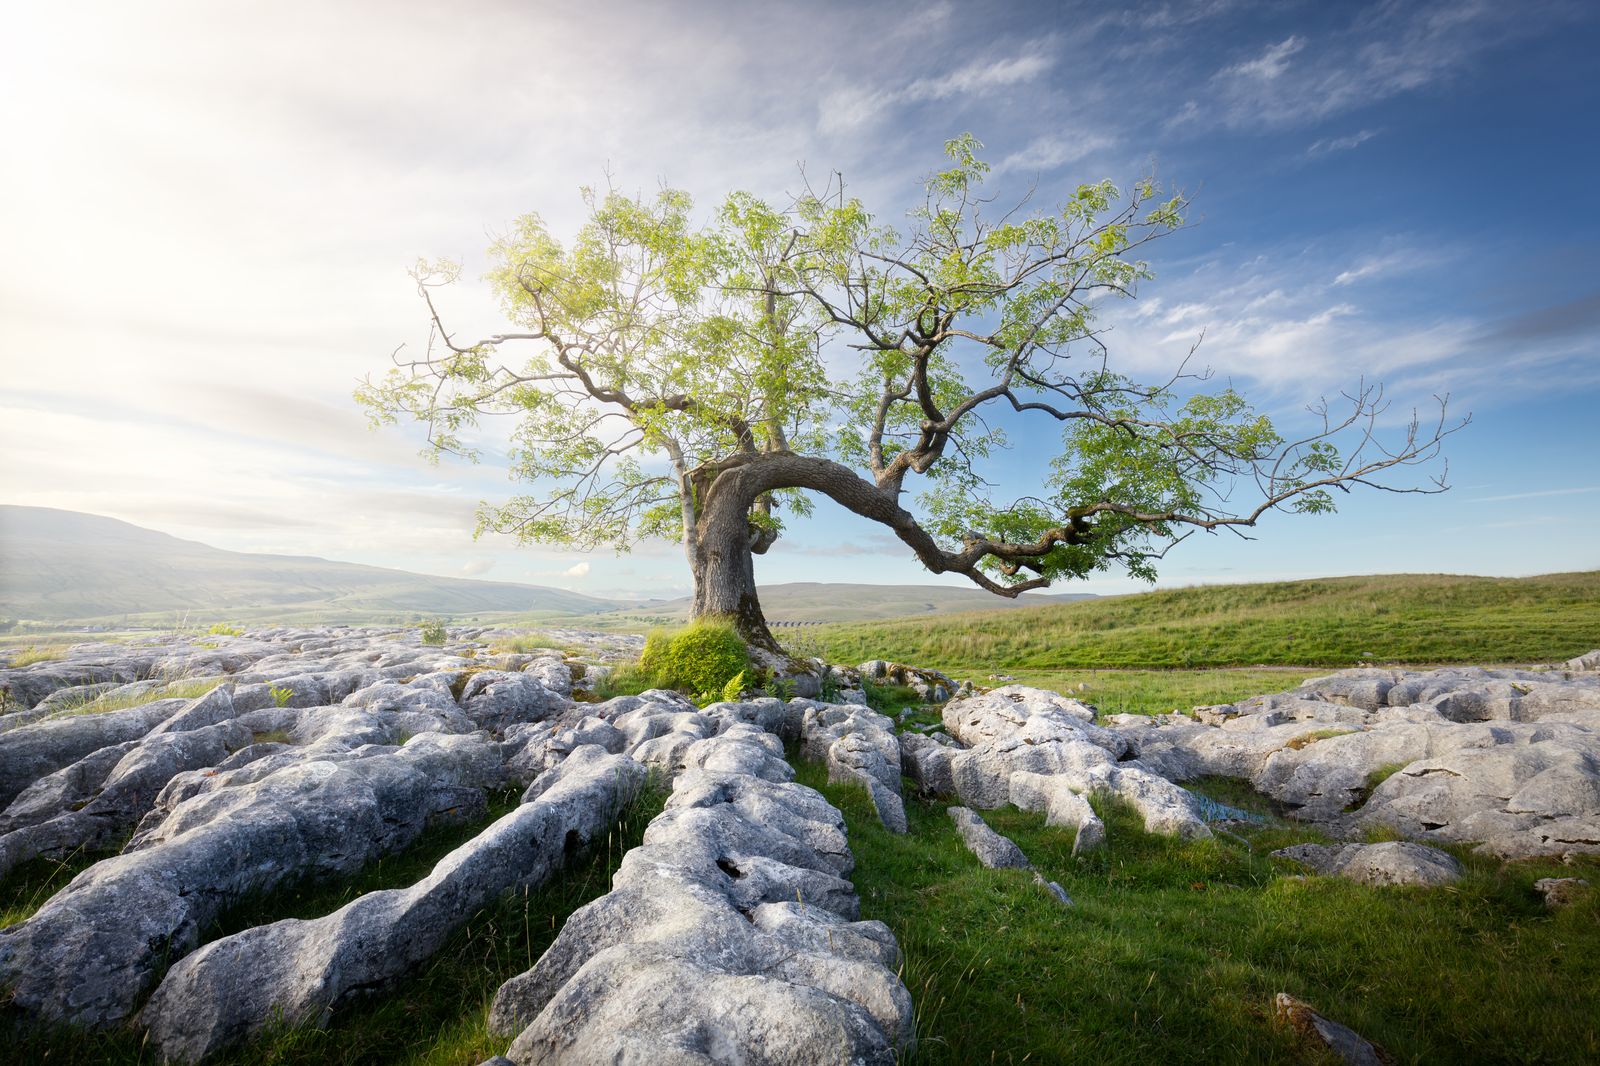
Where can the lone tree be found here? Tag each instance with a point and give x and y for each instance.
(697, 380)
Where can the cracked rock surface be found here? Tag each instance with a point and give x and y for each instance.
(1505, 759)
(731, 935)
(1041, 751)
(313, 751)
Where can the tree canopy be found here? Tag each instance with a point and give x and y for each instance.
(699, 378)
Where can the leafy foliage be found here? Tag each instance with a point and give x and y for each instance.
(433, 632)
(703, 657)
(734, 688)
(768, 352)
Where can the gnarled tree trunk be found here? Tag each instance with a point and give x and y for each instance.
(722, 549)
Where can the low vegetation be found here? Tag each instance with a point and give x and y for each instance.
(706, 660)
(34, 653)
(1337, 622)
(1174, 949)
(113, 701)
(702, 657)
(1154, 691)
(433, 632)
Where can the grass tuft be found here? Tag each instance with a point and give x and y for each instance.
(33, 653)
(173, 690)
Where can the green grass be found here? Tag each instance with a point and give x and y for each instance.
(1401, 618)
(438, 1015)
(172, 690)
(1174, 949)
(1155, 691)
(530, 643)
(33, 653)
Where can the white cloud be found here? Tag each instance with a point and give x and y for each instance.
(1270, 64)
(577, 570)
(1329, 145)
(1536, 495)
(1385, 50)
(476, 567)
(850, 108)
(1053, 150)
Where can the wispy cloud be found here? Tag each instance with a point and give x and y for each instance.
(1053, 150)
(1536, 495)
(850, 108)
(1329, 145)
(1377, 265)
(1381, 52)
(1269, 65)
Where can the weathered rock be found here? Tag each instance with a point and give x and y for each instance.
(991, 849)
(926, 760)
(1506, 759)
(93, 949)
(1055, 890)
(1022, 730)
(300, 972)
(858, 745)
(1394, 862)
(495, 699)
(728, 936)
(1351, 1047)
(1560, 891)
(1062, 807)
(128, 790)
(1586, 662)
(33, 751)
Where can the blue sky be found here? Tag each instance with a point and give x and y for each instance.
(211, 207)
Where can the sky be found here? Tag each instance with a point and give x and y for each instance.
(207, 212)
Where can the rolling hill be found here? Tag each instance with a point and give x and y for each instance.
(822, 601)
(61, 565)
(1406, 618)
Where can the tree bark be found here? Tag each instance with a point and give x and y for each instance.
(722, 559)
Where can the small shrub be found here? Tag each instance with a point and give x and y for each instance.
(281, 696)
(222, 629)
(434, 632)
(703, 657)
(779, 687)
(654, 656)
(830, 689)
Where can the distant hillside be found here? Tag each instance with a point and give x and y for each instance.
(59, 565)
(817, 601)
(1405, 618)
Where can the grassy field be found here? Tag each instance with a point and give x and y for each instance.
(1157, 691)
(1174, 949)
(1332, 622)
